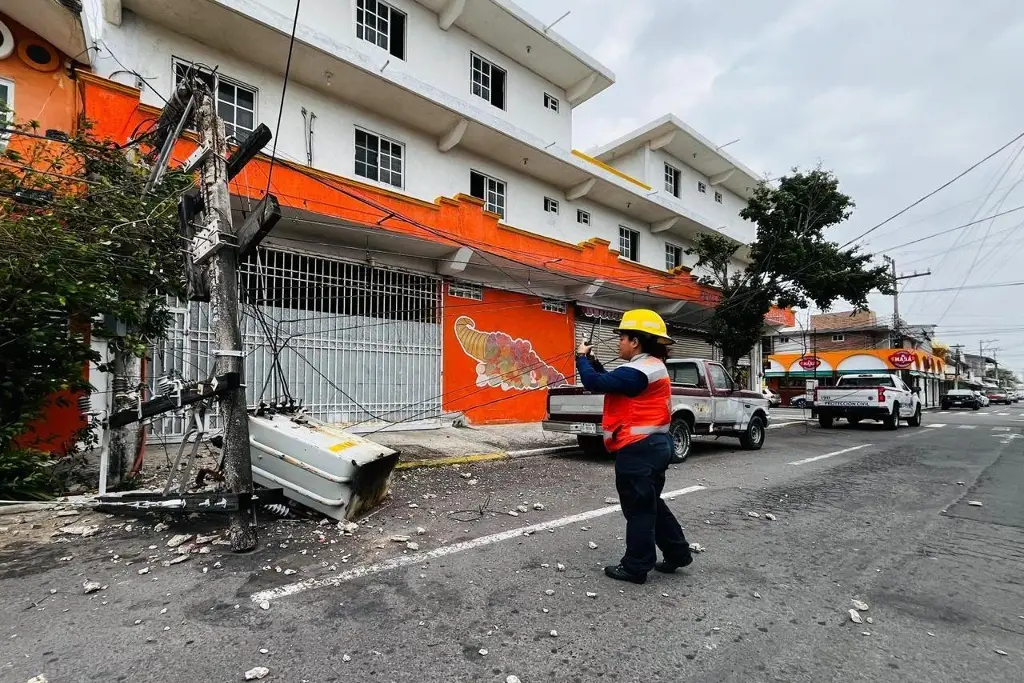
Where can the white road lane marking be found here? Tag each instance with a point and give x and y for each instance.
(967, 427)
(829, 455)
(937, 425)
(1002, 414)
(1000, 429)
(408, 560)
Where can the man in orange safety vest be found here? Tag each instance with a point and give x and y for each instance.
(637, 416)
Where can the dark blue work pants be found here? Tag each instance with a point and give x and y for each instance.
(640, 479)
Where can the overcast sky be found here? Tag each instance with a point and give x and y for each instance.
(895, 97)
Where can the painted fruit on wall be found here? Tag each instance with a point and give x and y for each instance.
(503, 361)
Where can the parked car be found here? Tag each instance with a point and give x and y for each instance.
(705, 401)
(982, 399)
(1015, 396)
(804, 401)
(960, 398)
(881, 397)
(998, 396)
(774, 400)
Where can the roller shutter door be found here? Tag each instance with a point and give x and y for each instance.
(690, 344)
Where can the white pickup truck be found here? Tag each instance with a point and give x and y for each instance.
(882, 397)
(705, 401)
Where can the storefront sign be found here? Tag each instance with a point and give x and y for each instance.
(809, 362)
(902, 359)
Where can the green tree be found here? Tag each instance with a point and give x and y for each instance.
(79, 239)
(791, 264)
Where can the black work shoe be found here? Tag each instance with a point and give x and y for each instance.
(620, 573)
(666, 567)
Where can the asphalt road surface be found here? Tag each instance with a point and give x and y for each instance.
(860, 513)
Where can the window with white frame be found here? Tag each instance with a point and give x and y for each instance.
(673, 256)
(582, 217)
(488, 80)
(551, 102)
(629, 243)
(552, 306)
(550, 205)
(489, 189)
(718, 197)
(236, 102)
(702, 188)
(379, 158)
(381, 24)
(466, 290)
(672, 177)
(6, 109)
(838, 337)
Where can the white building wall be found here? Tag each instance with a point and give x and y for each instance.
(429, 174)
(726, 214)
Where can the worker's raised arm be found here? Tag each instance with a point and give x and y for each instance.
(623, 380)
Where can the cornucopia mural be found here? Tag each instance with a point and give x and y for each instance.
(503, 361)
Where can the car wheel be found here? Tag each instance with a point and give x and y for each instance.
(976, 407)
(681, 440)
(592, 446)
(915, 421)
(893, 421)
(824, 421)
(753, 438)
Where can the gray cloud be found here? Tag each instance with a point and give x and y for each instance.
(896, 97)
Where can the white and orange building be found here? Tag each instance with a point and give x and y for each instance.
(444, 246)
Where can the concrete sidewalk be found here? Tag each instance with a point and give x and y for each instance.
(454, 445)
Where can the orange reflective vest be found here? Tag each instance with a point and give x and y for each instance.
(629, 420)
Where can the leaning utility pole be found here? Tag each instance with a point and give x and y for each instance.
(958, 359)
(223, 283)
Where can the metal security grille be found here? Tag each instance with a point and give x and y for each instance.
(354, 343)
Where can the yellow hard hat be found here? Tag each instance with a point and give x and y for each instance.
(646, 321)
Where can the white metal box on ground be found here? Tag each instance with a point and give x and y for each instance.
(335, 472)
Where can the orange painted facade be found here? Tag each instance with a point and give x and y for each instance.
(500, 353)
(43, 93)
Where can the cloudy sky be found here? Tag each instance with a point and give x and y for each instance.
(896, 97)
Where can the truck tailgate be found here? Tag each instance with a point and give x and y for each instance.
(575, 405)
(848, 398)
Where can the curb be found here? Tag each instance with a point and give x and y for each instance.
(483, 457)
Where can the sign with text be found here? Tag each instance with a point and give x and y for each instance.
(902, 359)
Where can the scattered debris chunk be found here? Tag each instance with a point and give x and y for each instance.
(855, 617)
(414, 505)
(592, 545)
(865, 633)
(757, 595)
(466, 475)
(290, 572)
(411, 545)
(265, 604)
(931, 634)
(753, 514)
(473, 482)
(68, 513)
(399, 539)
(522, 509)
(591, 595)
(201, 540)
(177, 560)
(770, 517)
(420, 531)
(80, 530)
(611, 501)
(560, 567)
(549, 592)
(960, 483)
(859, 605)
(513, 513)
(179, 539)
(538, 506)
(42, 679)
(975, 503)
(554, 633)
(264, 651)
(256, 673)
(160, 526)
(1001, 653)
(513, 679)
(697, 548)
(346, 658)
(869, 620)
(145, 570)
(91, 587)
(348, 528)
(483, 652)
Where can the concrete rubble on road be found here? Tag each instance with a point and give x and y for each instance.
(611, 501)
(591, 595)
(859, 605)
(560, 567)
(346, 658)
(38, 679)
(412, 545)
(697, 548)
(256, 673)
(177, 560)
(769, 516)
(398, 538)
(483, 652)
(513, 679)
(538, 506)
(78, 530)
(91, 587)
(753, 514)
(549, 592)
(1001, 653)
(855, 617)
(178, 539)
(975, 503)
(592, 545)
(554, 633)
